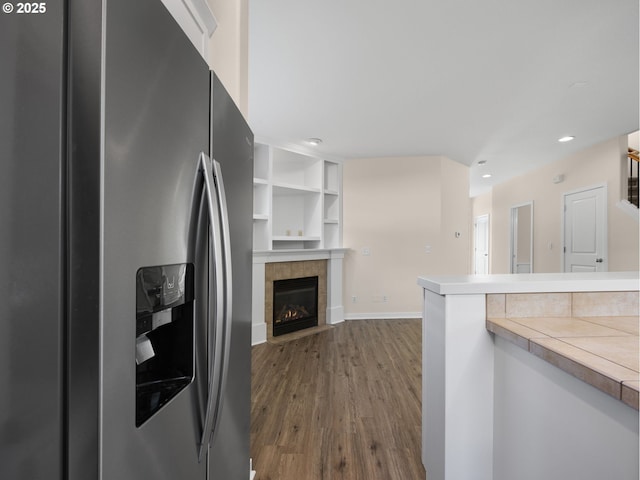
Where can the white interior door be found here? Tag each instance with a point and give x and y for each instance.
(585, 230)
(481, 242)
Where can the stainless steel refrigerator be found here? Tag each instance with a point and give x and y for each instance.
(125, 250)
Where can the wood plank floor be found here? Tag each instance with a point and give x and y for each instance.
(341, 404)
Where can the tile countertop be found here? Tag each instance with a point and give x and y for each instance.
(602, 351)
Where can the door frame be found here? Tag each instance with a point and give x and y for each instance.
(475, 238)
(605, 220)
(513, 235)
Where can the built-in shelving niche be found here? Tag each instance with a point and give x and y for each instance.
(297, 200)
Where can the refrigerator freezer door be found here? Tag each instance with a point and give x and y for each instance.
(31, 245)
(155, 127)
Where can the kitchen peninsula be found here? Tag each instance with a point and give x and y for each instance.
(530, 376)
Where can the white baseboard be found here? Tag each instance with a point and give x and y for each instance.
(252, 472)
(382, 316)
(335, 315)
(258, 333)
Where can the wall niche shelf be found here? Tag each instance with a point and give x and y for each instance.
(297, 199)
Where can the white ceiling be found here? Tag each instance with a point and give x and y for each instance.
(494, 80)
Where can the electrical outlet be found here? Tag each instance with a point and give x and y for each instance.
(366, 251)
(354, 299)
(384, 299)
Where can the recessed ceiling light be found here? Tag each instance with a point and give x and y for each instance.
(579, 84)
(486, 175)
(568, 138)
(314, 141)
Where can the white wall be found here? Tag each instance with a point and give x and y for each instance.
(599, 164)
(229, 48)
(395, 208)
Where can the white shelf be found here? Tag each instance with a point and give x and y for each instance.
(295, 192)
(293, 238)
(290, 189)
(292, 168)
(332, 208)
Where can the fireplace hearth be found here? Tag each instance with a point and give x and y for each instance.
(295, 304)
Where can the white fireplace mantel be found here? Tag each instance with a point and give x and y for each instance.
(335, 308)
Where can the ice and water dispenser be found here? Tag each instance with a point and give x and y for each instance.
(164, 336)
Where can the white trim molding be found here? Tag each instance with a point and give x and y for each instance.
(204, 14)
(335, 309)
(196, 20)
(630, 209)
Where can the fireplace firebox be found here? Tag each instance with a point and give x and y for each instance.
(295, 304)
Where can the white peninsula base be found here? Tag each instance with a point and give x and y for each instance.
(493, 411)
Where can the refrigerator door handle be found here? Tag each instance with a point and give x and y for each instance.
(215, 350)
(228, 293)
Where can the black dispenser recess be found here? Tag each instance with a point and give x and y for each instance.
(164, 336)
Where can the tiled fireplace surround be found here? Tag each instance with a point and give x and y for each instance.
(274, 265)
(288, 270)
